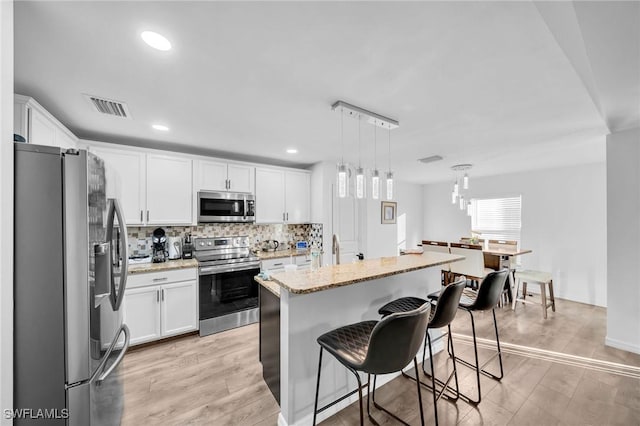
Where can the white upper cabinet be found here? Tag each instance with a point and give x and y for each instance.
(125, 173)
(169, 191)
(221, 176)
(38, 126)
(269, 196)
(297, 197)
(282, 196)
(240, 178)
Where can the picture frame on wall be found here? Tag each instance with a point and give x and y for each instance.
(388, 212)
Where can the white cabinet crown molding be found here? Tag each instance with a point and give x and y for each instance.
(33, 104)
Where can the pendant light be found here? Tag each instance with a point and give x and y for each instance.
(389, 173)
(360, 177)
(343, 173)
(469, 208)
(457, 196)
(375, 174)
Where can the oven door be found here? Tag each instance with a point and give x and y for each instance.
(225, 207)
(228, 296)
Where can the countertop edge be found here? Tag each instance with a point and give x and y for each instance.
(273, 288)
(170, 265)
(359, 280)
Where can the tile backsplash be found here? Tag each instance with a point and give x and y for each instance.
(140, 237)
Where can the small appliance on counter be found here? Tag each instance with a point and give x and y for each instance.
(175, 248)
(270, 245)
(159, 240)
(187, 247)
(302, 245)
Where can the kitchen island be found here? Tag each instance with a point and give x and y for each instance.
(299, 306)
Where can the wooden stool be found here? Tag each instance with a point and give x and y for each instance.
(543, 279)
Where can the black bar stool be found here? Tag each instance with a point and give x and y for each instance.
(375, 347)
(441, 316)
(486, 298)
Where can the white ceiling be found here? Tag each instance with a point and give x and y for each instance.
(506, 86)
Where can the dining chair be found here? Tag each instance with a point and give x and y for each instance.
(439, 247)
(473, 265)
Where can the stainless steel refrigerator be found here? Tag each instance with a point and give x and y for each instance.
(70, 255)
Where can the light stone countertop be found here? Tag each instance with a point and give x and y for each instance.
(327, 277)
(269, 285)
(141, 268)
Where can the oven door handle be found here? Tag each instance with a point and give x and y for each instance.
(208, 270)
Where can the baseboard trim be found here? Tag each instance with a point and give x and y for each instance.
(619, 344)
(553, 356)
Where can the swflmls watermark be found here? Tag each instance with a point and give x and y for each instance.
(36, 413)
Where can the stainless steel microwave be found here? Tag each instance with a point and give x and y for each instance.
(226, 207)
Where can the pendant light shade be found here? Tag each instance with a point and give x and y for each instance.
(469, 208)
(465, 181)
(460, 185)
(456, 188)
(375, 184)
(462, 203)
(360, 183)
(389, 186)
(343, 181)
(454, 197)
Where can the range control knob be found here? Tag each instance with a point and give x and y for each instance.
(208, 243)
(202, 243)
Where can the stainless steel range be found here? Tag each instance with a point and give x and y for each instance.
(228, 292)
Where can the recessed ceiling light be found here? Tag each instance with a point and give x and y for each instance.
(292, 151)
(160, 127)
(155, 40)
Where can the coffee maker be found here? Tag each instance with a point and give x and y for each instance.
(159, 240)
(187, 247)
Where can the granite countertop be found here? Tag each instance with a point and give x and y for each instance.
(327, 277)
(269, 285)
(278, 254)
(141, 268)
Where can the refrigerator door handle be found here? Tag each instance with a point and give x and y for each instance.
(121, 355)
(115, 211)
(99, 374)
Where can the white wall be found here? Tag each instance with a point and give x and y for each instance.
(563, 222)
(623, 240)
(379, 240)
(383, 239)
(6, 212)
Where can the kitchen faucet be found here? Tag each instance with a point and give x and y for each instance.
(335, 248)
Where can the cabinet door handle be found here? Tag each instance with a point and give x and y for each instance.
(163, 294)
(155, 280)
(287, 216)
(158, 296)
(278, 264)
(147, 215)
(283, 216)
(140, 215)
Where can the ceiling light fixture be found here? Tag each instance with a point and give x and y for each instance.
(343, 174)
(160, 127)
(456, 194)
(155, 40)
(292, 151)
(375, 174)
(343, 170)
(360, 178)
(389, 173)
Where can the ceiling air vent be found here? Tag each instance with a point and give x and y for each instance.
(430, 159)
(109, 106)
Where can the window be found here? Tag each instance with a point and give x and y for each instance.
(497, 218)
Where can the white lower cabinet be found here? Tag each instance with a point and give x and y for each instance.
(142, 314)
(161, 304)
(174, 318)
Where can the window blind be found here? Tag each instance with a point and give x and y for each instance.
(497, 218)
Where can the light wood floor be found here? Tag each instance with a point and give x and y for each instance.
(216, 380)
